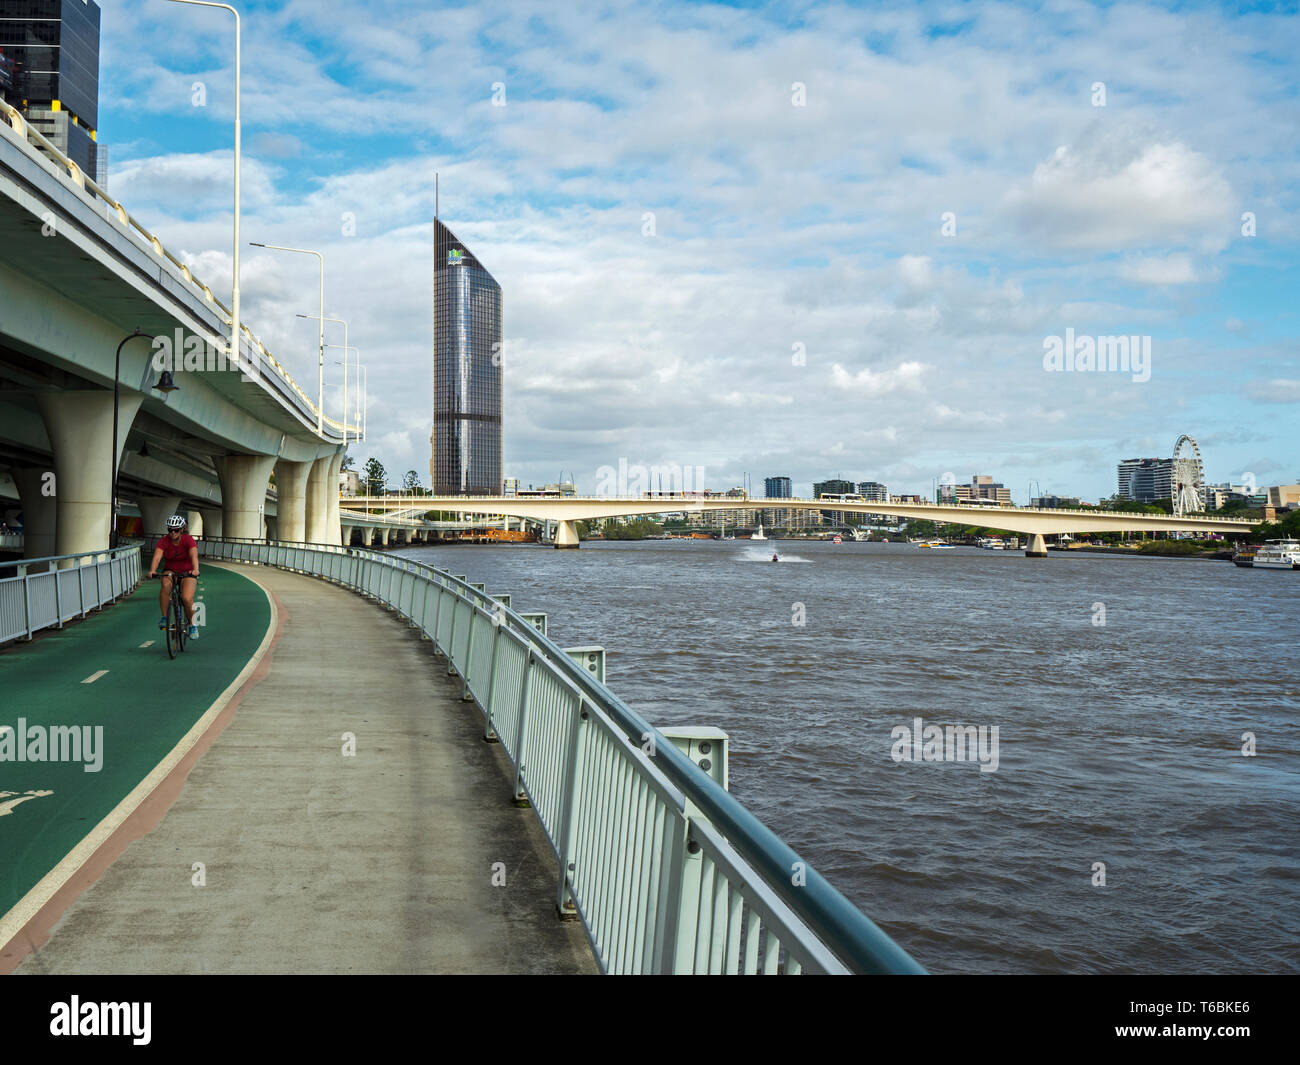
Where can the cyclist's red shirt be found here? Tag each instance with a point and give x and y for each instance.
(176, 556)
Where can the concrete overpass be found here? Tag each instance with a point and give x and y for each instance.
(78, 274)
(1036, 522)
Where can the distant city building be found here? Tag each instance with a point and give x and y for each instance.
(1056, 502)
(49, 70)
(874, 490)
(466, 441)
(1145, 480)
(1284, 495)
(349, 483)
(1218, 496)
(716, 519)
(778, 488)
(837, 486)
(982, 488)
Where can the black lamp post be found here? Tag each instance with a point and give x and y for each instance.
(164, 384)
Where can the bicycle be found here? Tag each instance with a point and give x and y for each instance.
(177, 622)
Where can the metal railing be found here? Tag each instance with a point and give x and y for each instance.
(73, 175)
(43, 593)
(667, 872)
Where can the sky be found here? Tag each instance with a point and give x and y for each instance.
(776, 239)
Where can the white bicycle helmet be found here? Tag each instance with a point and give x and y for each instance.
(176, 521)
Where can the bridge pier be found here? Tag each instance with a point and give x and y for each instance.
(333, 468)
(40, 515)
(80, 429)
(195, 518)
(291, 488)
(1037, 548)
(154, 512)
(244, 479)
(566, 535)
(317, 503)
(210, 520)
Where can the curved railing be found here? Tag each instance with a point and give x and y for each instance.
(151, 244)
(666, 871)
(43, 593)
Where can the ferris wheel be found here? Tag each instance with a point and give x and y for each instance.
(1188, 478)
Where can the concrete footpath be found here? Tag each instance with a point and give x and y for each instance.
(282, 854)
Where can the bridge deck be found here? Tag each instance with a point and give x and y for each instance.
(314, 862)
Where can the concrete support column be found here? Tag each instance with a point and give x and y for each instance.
(335, 467)
(318, 501)
(566, 534)
(154, 512)
(243, 493)
(80, 428)
(367, 535)
(384, 534)
(196, 523)
(291, 490)
(210, 522)
(36, 492)
(1037, 548)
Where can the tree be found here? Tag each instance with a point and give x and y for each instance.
(375, 477)
(411, 482)
(348, 462)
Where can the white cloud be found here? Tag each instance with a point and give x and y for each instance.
(905, 377)
(1116, 189)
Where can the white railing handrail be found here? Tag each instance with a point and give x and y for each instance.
(670, 873)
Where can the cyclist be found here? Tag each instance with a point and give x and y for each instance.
(180, 557)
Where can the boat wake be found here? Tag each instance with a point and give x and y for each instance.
(756, 554)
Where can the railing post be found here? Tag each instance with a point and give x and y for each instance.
(680, 913)
(573, 773)
(466, 694)
(489, 733)
(521, 736)
(27, 602)
(451, 639)
(437, 617)
(58, 601)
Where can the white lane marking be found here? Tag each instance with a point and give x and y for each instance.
(94, 677)
(147, 643)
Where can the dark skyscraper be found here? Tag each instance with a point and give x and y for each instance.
(49, 70)
(466, 441)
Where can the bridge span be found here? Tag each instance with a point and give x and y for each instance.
(1036, 522)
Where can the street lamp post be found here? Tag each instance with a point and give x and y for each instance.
(234, 298)
(337, 321)
(320, 337)
(356, 392)
(117, 370)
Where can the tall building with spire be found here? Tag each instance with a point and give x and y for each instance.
(466, 442)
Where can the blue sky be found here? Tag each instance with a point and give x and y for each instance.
(798, 161)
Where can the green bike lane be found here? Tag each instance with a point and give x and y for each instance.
(108, 671)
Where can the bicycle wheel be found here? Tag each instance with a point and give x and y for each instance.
(178, 609)
(173, 631)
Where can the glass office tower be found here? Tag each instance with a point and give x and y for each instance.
(466, 441)
(49, 70)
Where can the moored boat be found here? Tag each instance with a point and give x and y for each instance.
(1277, 554)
